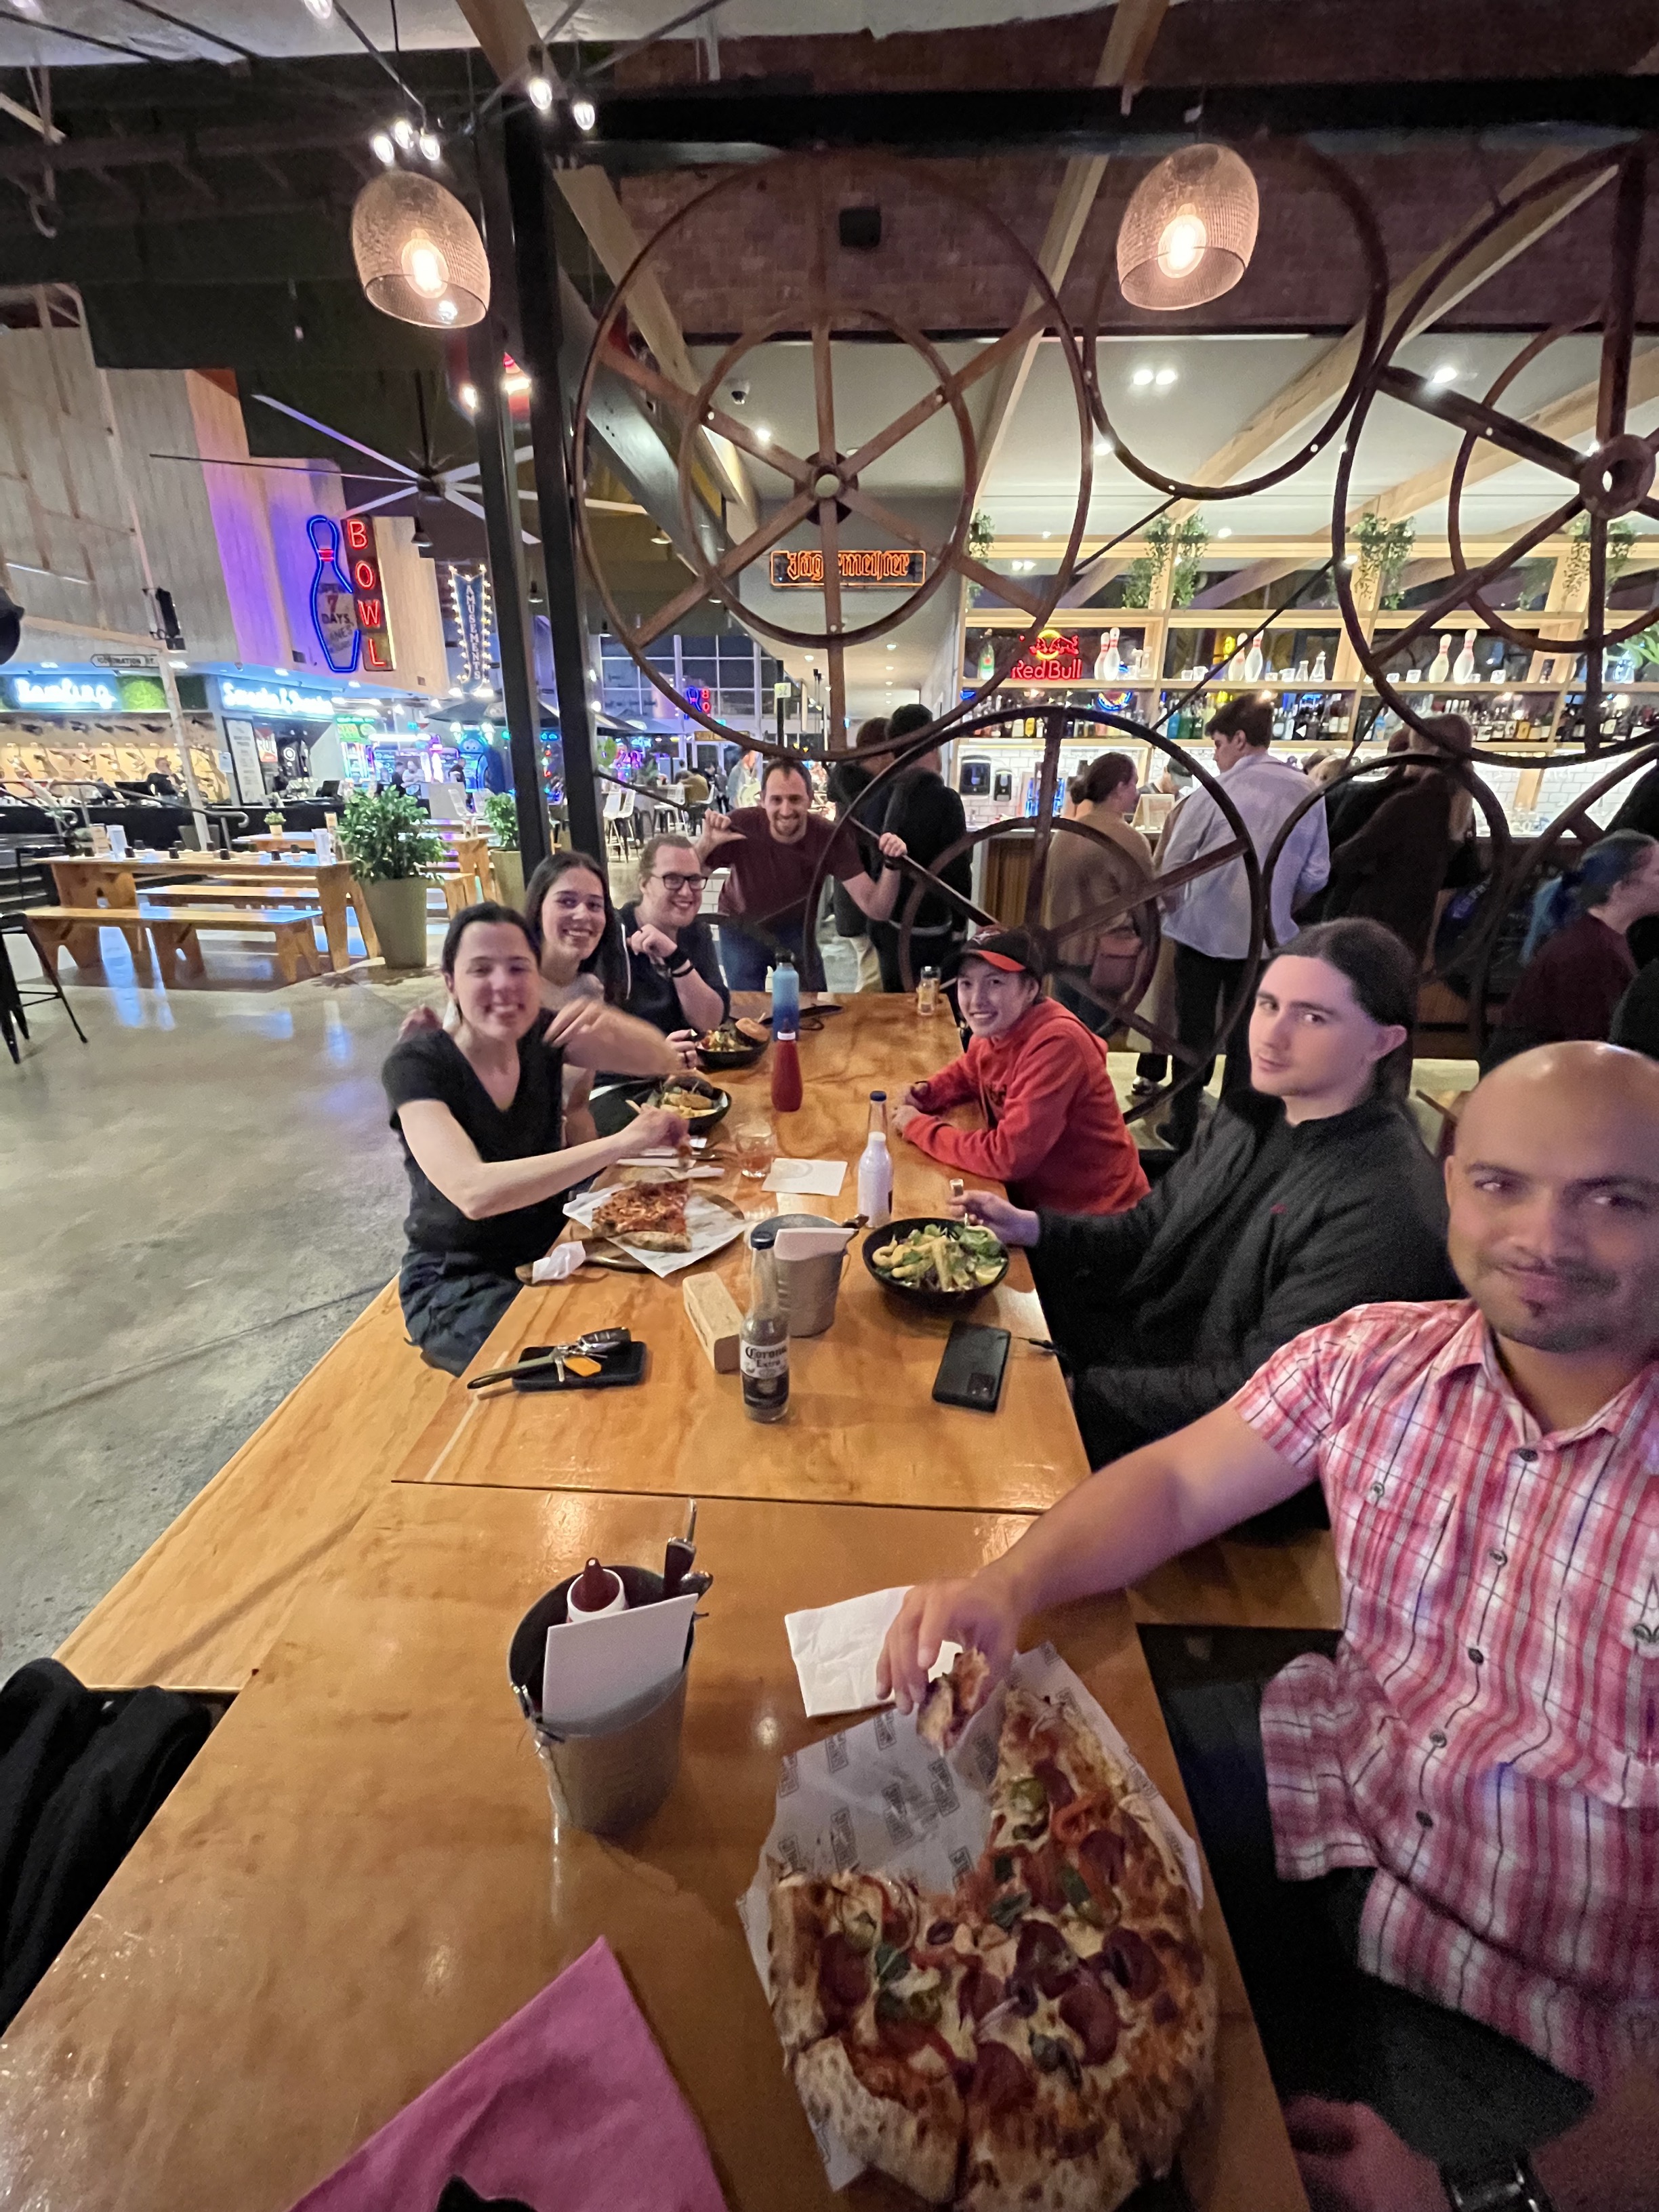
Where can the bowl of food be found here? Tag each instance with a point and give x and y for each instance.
(943, 1266)
(701, 1103)
(727, 1046)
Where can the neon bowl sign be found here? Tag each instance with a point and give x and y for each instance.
(1051, 658)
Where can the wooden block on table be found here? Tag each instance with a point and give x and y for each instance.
(715, 1321)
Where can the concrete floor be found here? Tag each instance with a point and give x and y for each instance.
(192, 1206)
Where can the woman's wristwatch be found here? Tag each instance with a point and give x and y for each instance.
(1506, 2184)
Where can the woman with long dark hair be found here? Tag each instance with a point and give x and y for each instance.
(479, 1113)
(1584, 965)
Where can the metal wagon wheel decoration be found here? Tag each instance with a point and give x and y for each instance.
(827, 484)
(1138, 902)
(1374, 257)
(1614, 479)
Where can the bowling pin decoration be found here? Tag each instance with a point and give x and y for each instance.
(1253, 663)
(1106, 658)
(986, 667)
(1440, 666)
(1463, 672)
(1318, 675)
(333, 609)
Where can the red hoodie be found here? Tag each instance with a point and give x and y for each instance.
(1054, 1133)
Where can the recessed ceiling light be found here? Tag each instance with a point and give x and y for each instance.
(1446, 374)
(1048, 533)
(762, 435)
(892, 648)
(1165, 376)
(1224, 532)
(1142, 375)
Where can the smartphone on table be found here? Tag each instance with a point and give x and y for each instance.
(970, 1373)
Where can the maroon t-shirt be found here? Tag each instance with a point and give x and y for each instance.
(770, 881)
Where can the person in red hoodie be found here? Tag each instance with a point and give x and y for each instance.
(1054, 1131)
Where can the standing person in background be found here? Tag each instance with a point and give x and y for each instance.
(1210, 918)
(1573, 983)
(1640, 811)
(1054, 1131)
(928, 815)
(1392, 868)
(848, 781)
(1084, 875)
(771, 852)
(742, 780)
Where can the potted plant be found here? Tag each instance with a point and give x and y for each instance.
(500, 820)
(389, 843)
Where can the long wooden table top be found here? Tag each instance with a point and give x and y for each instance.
(862, 1427)
(357, 1881)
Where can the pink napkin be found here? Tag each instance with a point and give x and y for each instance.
(568, 2105)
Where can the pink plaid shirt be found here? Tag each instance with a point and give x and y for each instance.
(1487, 1735)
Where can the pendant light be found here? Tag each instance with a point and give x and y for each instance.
(1189, 233)
(418, 253)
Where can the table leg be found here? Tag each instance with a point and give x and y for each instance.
(365, 921)
(334, 923)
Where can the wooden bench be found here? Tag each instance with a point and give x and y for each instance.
(54, 928)
(205, 1602)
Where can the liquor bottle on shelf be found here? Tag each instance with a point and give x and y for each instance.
(1463, 668)
(1440, 666)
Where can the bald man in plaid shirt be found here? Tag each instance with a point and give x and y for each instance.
(1437, 1845)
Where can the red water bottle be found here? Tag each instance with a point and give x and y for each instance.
(785, 1075)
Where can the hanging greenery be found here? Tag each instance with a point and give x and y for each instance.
(1189, 541)
(1621, 541)
(1384, 550)
(982, 536)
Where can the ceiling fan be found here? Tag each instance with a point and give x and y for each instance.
(458, 483)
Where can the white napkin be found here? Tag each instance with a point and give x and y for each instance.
(558, 1265)
(835, 1647)
(807, 1178)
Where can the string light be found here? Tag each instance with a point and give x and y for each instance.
(431, 145)
(541, 93)
(403, 131)
(383, 148)
(322, 10)
(584, 114)
(468, 396)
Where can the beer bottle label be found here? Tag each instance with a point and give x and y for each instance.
(763, 1363)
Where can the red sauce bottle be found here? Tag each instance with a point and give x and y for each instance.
(785, 1075)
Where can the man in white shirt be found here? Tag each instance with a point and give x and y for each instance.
(1209, 920)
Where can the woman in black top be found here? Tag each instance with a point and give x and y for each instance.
(482, 1124)
(674, 972)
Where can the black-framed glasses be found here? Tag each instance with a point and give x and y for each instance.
(682, 883)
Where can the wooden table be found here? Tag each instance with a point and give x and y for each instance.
(357, 1880)
(862, 1427)
(106, 881)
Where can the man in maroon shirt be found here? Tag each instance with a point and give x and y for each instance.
(772, 852)
(1054, 1131)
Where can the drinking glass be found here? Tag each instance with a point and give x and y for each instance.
(757, 1148)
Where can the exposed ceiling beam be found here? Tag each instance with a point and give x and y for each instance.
(508, 34)
(1564, 419)
(1135, 28)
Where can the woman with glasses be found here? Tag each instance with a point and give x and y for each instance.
(674, 972)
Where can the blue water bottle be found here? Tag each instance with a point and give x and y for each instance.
(785, 998)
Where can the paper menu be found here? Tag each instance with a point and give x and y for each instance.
(876, 1797)
(592, 1668)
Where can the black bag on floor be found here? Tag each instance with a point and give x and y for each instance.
(80, 1776)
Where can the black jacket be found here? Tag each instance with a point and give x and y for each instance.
(1358, 1214)
(927, 814)
(848, 781)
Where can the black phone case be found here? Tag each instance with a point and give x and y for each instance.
(970, 1373)
(624, 1365)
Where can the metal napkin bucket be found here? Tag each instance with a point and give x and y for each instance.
(807, 1289)
(609, 1773)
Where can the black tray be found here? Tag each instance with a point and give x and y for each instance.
(624, 1365)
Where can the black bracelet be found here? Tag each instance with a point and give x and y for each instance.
(685, 968)
(1508, 2185)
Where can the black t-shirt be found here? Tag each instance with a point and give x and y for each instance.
(651, 993)
(431, 1065)
(927, 814)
